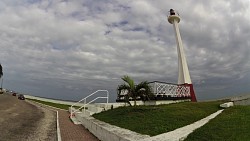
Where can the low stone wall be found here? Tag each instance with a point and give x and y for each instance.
(241, 100)
(153, 102)
(106, 132)
(238, 98)
(159, 102)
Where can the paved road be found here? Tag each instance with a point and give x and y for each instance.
(21, 121)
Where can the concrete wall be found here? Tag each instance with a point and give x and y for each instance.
(159, 102)
(153, 102)
(106, 132)
(241, 100)
(237, 98)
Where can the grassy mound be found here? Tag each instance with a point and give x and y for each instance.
(154, 120)
(233, 124)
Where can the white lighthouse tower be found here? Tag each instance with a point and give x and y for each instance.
(184, 76)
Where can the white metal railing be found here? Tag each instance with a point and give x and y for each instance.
(85, 101)
(172, 90)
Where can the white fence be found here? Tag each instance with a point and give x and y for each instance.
(170, 90)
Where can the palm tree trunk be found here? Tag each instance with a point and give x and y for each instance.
(129, 103)
(134, 101)
(127, 100)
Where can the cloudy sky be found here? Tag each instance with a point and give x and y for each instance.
(66, 49)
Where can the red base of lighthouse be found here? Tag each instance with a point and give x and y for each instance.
(193, 97)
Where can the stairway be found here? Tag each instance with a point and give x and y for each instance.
(88, 109)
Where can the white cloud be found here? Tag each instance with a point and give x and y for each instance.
(76, 46)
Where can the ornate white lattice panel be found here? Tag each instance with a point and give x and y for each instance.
(171, 90)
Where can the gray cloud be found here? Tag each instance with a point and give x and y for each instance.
(68, 49)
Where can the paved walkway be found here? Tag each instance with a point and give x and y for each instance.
(72, 132)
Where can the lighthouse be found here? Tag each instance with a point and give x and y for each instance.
(184, 76)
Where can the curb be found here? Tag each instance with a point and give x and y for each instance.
(59, 138)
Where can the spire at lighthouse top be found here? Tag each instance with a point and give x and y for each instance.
(173, 15)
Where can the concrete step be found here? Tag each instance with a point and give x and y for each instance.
(95, 109)
(108, 106)
(87, 113)
(75, 120)
(73, 109)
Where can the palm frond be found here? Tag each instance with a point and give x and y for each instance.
(124, 91)
(129, 81)
(122, 87)
(143, 88)
(143, 85)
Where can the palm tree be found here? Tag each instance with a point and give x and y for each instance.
(1, 71)
(133, 91)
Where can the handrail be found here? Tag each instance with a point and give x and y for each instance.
(85, 104)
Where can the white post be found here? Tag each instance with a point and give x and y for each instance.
(107, 97)
(84, 106)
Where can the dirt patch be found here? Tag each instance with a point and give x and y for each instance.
(22, 121)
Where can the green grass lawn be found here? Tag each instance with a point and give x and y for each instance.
(233, 124)
(61, 106)
(154, 120)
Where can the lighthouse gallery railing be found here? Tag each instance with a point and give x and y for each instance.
(170, 90)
